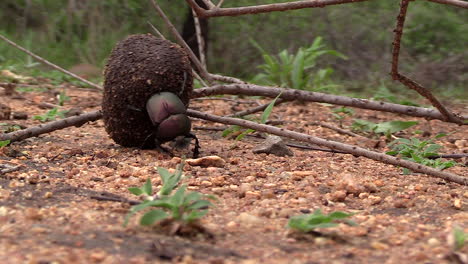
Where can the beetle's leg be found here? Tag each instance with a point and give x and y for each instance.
(196, 149)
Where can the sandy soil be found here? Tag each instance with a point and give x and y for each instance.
(48, 213)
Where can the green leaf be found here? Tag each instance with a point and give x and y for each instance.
(147, 188)
(135, 209)
(4, 143)
(269, 109)
(460, 238)
(178, 197)
(135, 190)
(192, 196)
(165, 174)
(394, 126)
(339, 215)
(194, 215)
(200, 204)
(153, 216)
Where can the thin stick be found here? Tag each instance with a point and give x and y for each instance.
(201, 70)
(50, 63)
(448, 116)
(237, 11)
(458, 3)
(52, 126)
(293, 94)
(339, 130)
(226, 79)
(220, 3)
(8, 168)
(200, 40)
(354, 150)
(156, 30)
(114, 199)
(209, 4)
(195, 74)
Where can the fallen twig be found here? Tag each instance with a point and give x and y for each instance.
(339, 130)
(52, 126)
(354, 150)
(50, 63)
(449, 156)
(8, 168)
(299, 95)
(114, 199)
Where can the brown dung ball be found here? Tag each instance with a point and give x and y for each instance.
(139, 67)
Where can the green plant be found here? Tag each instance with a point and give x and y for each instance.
(386, 128)
(419, 151)
(62, 98)
(294, 70)
(4, 143)
(175, 202)
(459, 238)
(384, 94)
(340, 113)
(309, 222)
(50, 115)
(7, 128)
(264, 118)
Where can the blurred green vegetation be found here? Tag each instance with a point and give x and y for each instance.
(70, 32)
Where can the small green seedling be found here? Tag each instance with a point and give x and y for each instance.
(174, 201)
(459, 238)
(340, 113)
(384, 94)
(7, 128)
(419, 151)
(62, 97)
(264, 118)
(385, 128)
(308, 222)
(4, 143)
(51, 115)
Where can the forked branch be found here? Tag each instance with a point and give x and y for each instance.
(447, 115)
(237, 11)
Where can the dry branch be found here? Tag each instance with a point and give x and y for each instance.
(458, 3)
(52, 126)
(160, 35)
(354, 150)
(50, 63)
(237, 11)
(339, 130)
(448, 116)
(200, 40)
(198, 65)
(299, 95)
